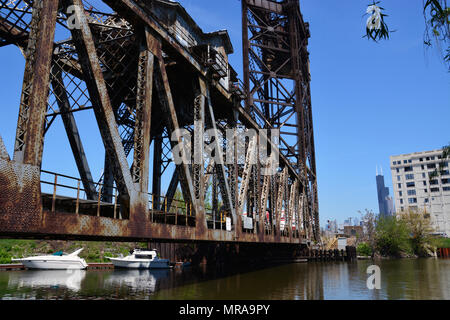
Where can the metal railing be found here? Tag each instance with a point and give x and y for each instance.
(170, 210)
(217, 62)
(179, 212)
(66, 194)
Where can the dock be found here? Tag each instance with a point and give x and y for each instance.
(10, 267)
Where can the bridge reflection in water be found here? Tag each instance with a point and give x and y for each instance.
(400, 279)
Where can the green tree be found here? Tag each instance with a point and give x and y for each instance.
(178, 203)
(443, 164)
(369, 224)
(420, 231)
(392, 237)
(364, 249)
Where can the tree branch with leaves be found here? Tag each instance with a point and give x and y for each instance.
(437, 26)
(436, 14)
(376, 28)
(440, 170)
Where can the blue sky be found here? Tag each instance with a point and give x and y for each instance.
(370, 100)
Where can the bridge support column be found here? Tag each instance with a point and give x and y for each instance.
(143, 118)
(33, 102)
(162, 84)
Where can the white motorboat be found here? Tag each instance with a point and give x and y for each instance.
(141, 259)
(56, 261)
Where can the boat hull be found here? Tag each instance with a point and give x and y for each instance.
(121, 263)
(53, 265)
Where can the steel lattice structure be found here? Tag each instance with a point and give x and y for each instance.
(277, 80)
(146, 70)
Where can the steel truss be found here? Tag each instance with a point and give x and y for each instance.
(277, 79)
(126, 67)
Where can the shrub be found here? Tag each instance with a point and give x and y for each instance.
(363, 249)
(420, 230)
(440, 242)
(5, 256)
(392, 237)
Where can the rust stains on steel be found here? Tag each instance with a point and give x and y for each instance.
(137, 14)
(98, 92)
(147, 79)
(29, 135)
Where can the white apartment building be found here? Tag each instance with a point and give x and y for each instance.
(413, 188)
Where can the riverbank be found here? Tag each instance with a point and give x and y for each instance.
(434, 248)
(94, 252)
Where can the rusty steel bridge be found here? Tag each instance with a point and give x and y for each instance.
(145, 69)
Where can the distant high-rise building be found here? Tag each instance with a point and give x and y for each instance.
(390, 204)
(414, 190)
(385, 202)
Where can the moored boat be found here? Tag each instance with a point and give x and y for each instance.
(141, 259)
(56, 261)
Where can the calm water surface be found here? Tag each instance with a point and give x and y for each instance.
(400, 279)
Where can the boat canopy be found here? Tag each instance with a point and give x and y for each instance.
(58, 253)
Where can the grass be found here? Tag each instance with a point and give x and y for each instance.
(442, 242)
(94, 251)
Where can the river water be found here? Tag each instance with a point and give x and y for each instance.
(400, 279)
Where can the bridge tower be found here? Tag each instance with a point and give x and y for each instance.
(277, 82)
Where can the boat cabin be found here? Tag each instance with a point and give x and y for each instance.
(145, 254)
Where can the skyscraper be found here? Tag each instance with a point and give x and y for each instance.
(385, 202)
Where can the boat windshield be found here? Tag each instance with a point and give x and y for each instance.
(144, 256)
(58, 253)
